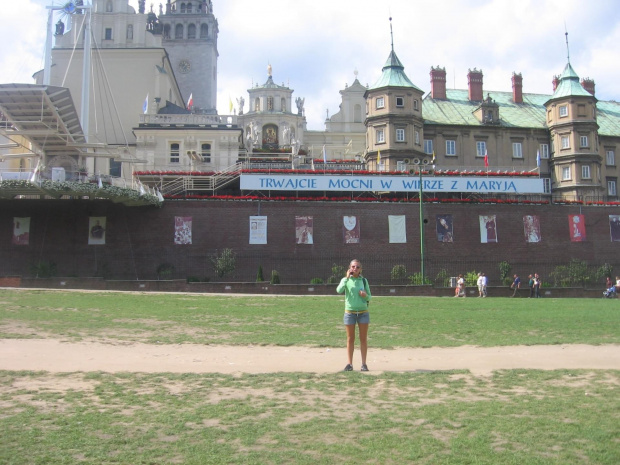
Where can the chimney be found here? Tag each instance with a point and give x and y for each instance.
(474, 81)
(556, 82)
(438, 83)
(588, 84)
(517, 88)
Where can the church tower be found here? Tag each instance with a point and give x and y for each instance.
(394, 123)
(190, 32)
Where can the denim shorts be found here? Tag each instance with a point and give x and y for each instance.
(359, 318)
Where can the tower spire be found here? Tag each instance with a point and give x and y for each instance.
(567, 50)
(391, 33)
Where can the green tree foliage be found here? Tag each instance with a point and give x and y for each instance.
(224, 263)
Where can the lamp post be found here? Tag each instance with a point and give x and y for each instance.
(421, 229)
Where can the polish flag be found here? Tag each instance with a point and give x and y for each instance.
(486, 158)
(190, 102)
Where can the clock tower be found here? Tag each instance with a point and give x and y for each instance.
(189, 35)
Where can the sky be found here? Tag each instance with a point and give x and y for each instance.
(315, 47)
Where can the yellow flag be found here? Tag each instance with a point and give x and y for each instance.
(378, 157)
(230, 105)
(433, 160)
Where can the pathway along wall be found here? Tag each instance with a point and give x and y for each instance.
(138, 240)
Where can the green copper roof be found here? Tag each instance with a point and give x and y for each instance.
(569, 85)
(393, 75)
(458, 110)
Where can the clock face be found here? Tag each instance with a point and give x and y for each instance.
(184, 66)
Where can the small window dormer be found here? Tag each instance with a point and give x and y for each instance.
(487, 112)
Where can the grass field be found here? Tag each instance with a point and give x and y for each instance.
(512, 417)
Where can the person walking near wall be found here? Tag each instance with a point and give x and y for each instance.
(537, 283)
(530, 284)
(516, 285)
(480, 284)
(356, 300)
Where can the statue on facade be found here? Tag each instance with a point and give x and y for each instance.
(141, 6)
(286, 135)
(241, 102)
(296, 145)
(60, 28)
(300, 105)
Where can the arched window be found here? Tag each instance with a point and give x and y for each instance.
(270, 103)
(178, 31)
(357, 113)
(191, 31)
(283, 104)
(182, 7)
(108, 6)
(204, 31)
(205, 152)
(257, 104)
(130, 31)
(189, 8)
(167, 31)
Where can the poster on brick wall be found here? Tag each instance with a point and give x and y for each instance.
(531, 228)
(96, 230)
(397, 229)
(488, 229)
(614, 228)
(182, 230)
(21, 231)
(351, 229)
(577, 228)
(304, 231)
(444, 228)
(258, 229)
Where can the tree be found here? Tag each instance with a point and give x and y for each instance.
(224, 263)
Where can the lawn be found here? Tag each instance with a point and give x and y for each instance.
(512, 417)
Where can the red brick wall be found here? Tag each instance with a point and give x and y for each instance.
(138, 239)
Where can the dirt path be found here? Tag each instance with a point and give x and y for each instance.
(56, 356)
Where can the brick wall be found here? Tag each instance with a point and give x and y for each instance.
(138, 239)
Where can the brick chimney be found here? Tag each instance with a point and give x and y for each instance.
(517, 88)
(438, 83)
(588, 84)
(556, 82)
(474, 82)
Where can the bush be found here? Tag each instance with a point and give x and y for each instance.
(259, 275)
(224, 263)
(504, 273)
(275, 277)
(165, 270)
(471, 278)
(398, 272)
(338, 272)
(316, 281)
(442, 278)
(43, 269)
(196, 279)
(576, 273)
(416, 279)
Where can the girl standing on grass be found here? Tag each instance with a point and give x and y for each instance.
(356, 298)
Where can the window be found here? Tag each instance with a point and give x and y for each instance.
(610, 158)
(204, 31)
(585, 172)
(415, 105)
(400, 135)
(611, 187)
(108, 33)
(191, 31)
(417, 138)
(257, 104)
(428, 146)
(283, 104)
(566, 173)
(380, 136)
(178, 31)
(400, 102)
(565, 142)
(189, 8)
(175, 151)
(517, 150)
(451, 147)
(182, 7)
(564, 110)
(270, 103)
(108, 6)
(544, 151)
(130, 31)
(481, 148)
(380, 102)
(547, 185)
(583, 141)
(205, 153)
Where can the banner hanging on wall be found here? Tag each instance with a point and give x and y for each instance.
(479, 184)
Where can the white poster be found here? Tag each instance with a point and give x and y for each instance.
(258, 229)
(21, 231)
(96, 230)
(488, 229)
(351, 230)
(398, 230)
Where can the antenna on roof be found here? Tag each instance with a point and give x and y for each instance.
(391, 33)
(567, 50)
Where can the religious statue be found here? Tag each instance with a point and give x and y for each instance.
(241, 102)
(286, 135)
(300, 105)
(60, 28)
